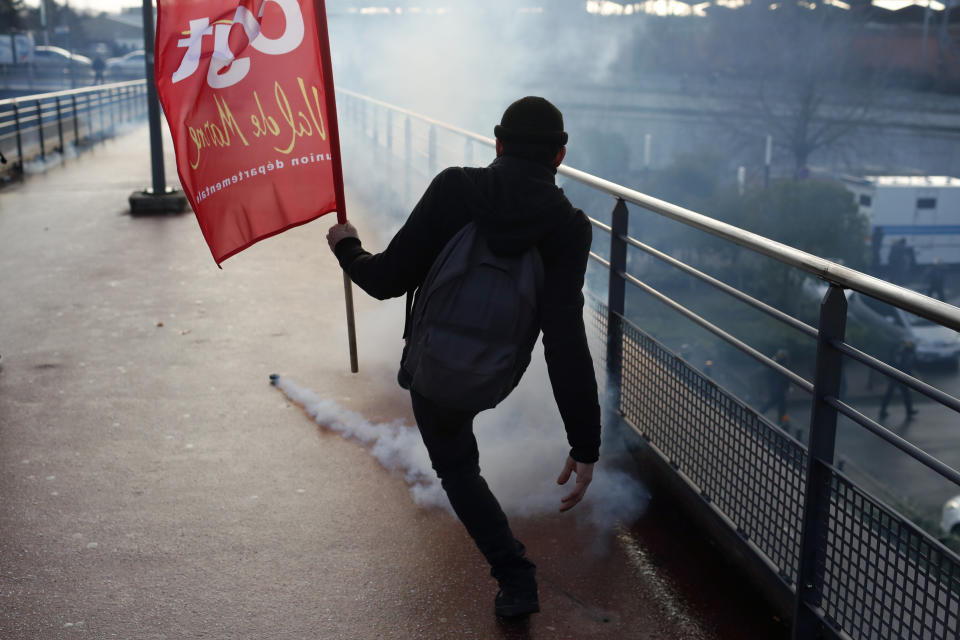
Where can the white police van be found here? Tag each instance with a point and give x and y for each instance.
(924, 211)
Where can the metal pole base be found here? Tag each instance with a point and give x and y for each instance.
(148, 202)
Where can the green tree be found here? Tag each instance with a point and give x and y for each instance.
(821, 218)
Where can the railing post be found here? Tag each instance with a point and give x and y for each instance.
(407, 159)
(100, 110)
(43, 151)
(60, 125)
(76, 119)
(821, 449)
(16, 123)
(389, 130)
(432, 151)
(363, 118)
(616, 301)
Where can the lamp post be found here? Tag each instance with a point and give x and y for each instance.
(159, 198)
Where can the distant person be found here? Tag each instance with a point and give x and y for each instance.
(777, 387)
(910, 263)
(903, 358)
(514, 208)
(901, 261)
(98, 67)
(934, 280)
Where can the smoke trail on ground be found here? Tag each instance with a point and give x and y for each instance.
(522, 449)
(396, 445)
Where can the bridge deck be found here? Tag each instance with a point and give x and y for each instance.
(155, 486)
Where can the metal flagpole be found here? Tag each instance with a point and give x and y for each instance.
(327, 69)
(160, 198)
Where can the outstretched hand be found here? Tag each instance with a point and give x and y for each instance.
(340, 231)
(584, 471)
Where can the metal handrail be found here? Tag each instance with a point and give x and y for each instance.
(939, 312)
(26, 119)
(892, 372)
(729, 338)
(70, 92)
(804, 384)
(733, 292)
(918, 304)
(490, 142)
(890, 437)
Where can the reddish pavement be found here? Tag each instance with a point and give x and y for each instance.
(154, 485)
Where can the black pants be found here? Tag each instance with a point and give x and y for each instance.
(893, 386)
(448, 436)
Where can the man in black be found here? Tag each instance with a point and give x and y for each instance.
(903, 358)
(934, 279)
(98, 66)
(777, 388)
(516, 205)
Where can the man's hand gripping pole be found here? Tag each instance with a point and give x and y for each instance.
(334, 131)
(348, 299)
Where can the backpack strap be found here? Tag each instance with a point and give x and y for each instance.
(407, 317)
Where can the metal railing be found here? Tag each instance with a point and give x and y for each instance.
(852, 566)
(36, 125)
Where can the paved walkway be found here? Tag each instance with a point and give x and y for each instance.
(154, 485)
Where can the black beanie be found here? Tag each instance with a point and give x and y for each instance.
(532, 119)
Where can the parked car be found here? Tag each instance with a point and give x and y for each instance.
(15, 48)
(934, 343)
(126, 67)
(57, 61)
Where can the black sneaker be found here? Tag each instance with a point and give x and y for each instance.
(516, 603)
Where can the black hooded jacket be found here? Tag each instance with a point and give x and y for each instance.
(516, 204)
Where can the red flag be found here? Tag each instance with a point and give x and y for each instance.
(248, 95)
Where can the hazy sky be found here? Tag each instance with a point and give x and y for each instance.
(116, 5)
(95, 5)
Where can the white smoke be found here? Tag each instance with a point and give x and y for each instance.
(522, 450)
(54, 159)
(396, 445)
(71, 150)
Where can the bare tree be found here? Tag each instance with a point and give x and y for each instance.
(10, 17)
(805, 87)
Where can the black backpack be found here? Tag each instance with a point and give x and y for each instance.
(474, 324)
